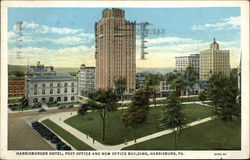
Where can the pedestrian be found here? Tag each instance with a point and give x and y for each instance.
(87, 136)
(135, 140)
(93, 140)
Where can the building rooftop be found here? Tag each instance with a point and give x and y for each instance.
(49, 77)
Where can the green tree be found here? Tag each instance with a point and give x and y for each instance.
(175, 79)
(83, 109)
(136, 114)
(202, 96)
(190, 77)
(151, 82)
(223, 90)
(103, 101)
(120, 87)
(17, 73)
(172, 117)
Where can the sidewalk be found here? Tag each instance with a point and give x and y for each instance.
(59, 120)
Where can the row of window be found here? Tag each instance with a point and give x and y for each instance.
(51, 91)
(58, 84)
(51, 99)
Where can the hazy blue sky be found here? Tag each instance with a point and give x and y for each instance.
(64, 37)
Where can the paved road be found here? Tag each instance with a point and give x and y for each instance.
(21, 136)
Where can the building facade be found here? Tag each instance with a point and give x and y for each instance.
(115, 50)
(42, 84)
(86, 80)
(16, 86)
(193, 60)
(44, 89)
(213, 61)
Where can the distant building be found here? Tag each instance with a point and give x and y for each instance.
(86, 80)
(165, 87)
(16, 87)
(115, 50)
(213, 61)
(42, 84)
(193, 60)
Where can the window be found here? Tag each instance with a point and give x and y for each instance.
(51, 84)
(51, 91)
(43, 85)
(43, 100)
(58, 90)
(65, 90)
(35, 92)
(65, 99)
(58, 99)
(35, 85)
(65, 84)
(72, 84)
(72, 90)
(51, 99)
(58, 84)
(35, 100)
(72, 98)
(43, 91)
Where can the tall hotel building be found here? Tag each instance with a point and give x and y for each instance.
(115, 50)
(214, 60)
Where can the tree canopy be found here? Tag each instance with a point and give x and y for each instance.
(137, 112)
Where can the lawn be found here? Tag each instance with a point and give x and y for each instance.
(212, 135)
(75, 142)
(116, 132)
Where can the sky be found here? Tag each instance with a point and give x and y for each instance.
(64, 37)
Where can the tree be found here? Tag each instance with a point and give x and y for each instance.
(202, 96)
(136, 114)
(120, 87)
(17, 73)
(223, 90)
(103, 101)
(83, 109)
(24, 103)
(175, 79)
(172, 117)
(151, 83)
(190, 77)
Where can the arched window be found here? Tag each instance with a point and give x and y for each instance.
(58, 99)
(35, 100)
(43, 100)
(72, 98)
(65, 99)
(51, 99)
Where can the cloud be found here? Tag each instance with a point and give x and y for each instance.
(225, 24)
(63, 57)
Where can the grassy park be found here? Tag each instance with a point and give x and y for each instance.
(116, 132)
(212, 135)
(75, 142)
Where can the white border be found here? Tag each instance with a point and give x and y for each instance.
(243, 154)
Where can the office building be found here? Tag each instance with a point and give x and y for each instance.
(115, 50)
(86, 80)
(181, 63)
(213, 61)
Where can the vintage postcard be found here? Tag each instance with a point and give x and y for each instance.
(124, 80)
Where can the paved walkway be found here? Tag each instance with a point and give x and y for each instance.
(59, 120)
